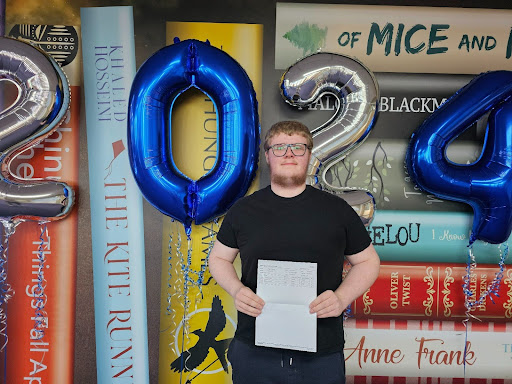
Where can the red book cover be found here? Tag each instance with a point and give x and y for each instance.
(434, 291)
(41, 269)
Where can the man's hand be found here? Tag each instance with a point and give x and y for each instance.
(248, 302)
(327, 304)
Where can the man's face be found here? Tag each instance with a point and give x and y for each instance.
(289, 170)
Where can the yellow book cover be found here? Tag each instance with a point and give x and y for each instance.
(187, 308)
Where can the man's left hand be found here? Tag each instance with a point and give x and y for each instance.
(327, 304)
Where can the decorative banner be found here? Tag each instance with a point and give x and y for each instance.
(194, 148)
(427, 349)
(116, 203)
(41, 324)
(397, 39)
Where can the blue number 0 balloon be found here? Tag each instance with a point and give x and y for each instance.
(157, 84)
(487, 183)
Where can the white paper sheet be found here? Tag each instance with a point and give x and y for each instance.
(287, 288)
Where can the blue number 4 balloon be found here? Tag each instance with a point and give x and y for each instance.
(485, 184)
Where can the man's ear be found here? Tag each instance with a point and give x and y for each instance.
(266, 156)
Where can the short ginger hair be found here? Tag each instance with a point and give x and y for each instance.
(289, 128)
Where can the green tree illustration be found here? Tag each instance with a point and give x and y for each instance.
(309, 38)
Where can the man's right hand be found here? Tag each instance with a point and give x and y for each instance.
(248, 302)
(223, 271)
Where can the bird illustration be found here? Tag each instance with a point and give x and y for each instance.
(192, 358)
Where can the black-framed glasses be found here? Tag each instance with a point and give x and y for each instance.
(279, 150)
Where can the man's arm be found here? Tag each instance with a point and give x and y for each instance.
(361, 276)
(222, 269)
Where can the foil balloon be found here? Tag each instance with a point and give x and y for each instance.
(356, 90)
(158, 82)
(486, 184)
(40, 106)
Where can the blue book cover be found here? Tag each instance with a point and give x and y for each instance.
(437, 237)
(116, 202)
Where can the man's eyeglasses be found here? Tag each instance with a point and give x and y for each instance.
(279, 150)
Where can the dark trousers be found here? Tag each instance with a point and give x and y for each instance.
(255, 365)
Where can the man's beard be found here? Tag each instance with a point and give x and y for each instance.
(288, 181)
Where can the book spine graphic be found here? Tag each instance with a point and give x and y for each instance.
(434, 292)
(190, 296)
(425, 351)
(429, 237)
(116, 203)
(42, 256)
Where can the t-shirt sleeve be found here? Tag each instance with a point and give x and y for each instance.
(227, 234)
(357, 235)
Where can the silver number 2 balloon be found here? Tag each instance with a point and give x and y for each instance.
(356, 90)
(41, 105)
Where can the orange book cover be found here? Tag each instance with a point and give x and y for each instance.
(41, 258)
(41, 269)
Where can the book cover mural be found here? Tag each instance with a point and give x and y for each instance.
(421, 57)
(409, 328)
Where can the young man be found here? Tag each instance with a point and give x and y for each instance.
(290, 221)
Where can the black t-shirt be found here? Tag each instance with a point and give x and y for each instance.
(314, 226)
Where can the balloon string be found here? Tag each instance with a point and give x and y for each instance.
(186, 277)
(180, 289)
(6, 291)
(169, 271)
(185, 270)
(470, 301)
(171, 289)
(41, 317)
(198, 279)
(174, 291)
